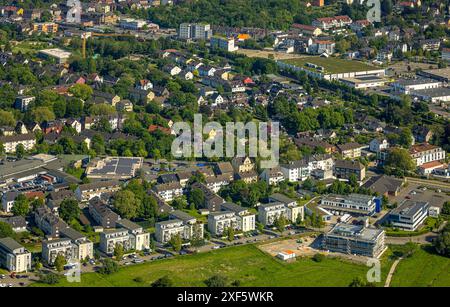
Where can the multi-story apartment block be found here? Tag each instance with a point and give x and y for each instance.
(223, 43)
(296, 170)
(424, 153)
(215, 183)
(354, 203)
(219, 222)
(272, 176)
(246, 220)
(86, 192)
(48, 222)
(354, 239)
(212, 200)
(327, 23)
(294, 211)
(45, 27)
(350, 150)
(22, 102)
(343, 169)
(140, 239)
(378, 144)
(102, 214)
(8, 199)
(52, 248)
(83, 248)
(10, 143)
(111, 238)
(168, 191)
(269, 213)
(180, 223)
(196, 31)
(409, 215)
(13, 256)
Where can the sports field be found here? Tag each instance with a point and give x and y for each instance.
(331, 65)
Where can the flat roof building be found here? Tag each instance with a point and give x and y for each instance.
(61, 56)
(13, 256)
(409, 215)
(354, 239)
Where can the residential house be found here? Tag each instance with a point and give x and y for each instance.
(140, 239)
(350, 150)
(378, 144)
(168, 191)
(272, 176)
(424, 152)
(83, 248)
(111, 238)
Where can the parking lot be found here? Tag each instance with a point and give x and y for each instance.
(414, 191)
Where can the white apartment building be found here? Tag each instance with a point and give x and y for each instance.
(140, 239)
(11, 142)
(293, 210)
(378, 144)
(296, 170)
(13, 256)
(168, 191)
(219, 222)
(86, 192)
(353, 203)
(268, 213)
(132, 24)
(180, 223)
(424, 153)
(83, 248)
(223, 43)
(195, 31)
(246, 220)
(111, 238)
(52, 248)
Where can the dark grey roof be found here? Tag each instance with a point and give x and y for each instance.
(10, 244)
(409, 208)
(71, 234)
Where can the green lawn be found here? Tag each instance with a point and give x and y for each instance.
(423, 269)
(331, 65)
(245, 263)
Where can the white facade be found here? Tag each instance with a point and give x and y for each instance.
(377, 145)
(226, 44)
(218, 222)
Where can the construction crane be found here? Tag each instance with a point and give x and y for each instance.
(84, 36)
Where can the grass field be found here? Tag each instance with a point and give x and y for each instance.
(331, 65)
(252, 267)
(246, 263)
(423, 269)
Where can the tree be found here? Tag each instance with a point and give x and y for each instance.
(442, 242)
(229, 233)
(359, 282)
(49, 279)
(446, 208)
(400, 159)
(60, 262)
(318, 257)
(410, 249)
(163, 282)
(126, 204)
(216, 281)
(21, 205)
(118, 252)
(41, 114)
(7, 118)
(69, 210)
(109, 267)
(5, 230)
(280, 223)
(81, 91)
(20, 151)
(176, 242)
(196, 197)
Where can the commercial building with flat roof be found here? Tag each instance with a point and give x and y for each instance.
(409, 215)
(118, 168)
(361, 82)
(354, 203)
(355, 239)
(60, 55)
